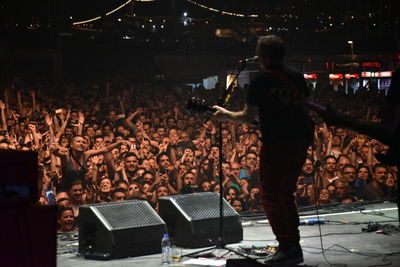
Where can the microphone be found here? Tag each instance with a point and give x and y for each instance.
(251, 59)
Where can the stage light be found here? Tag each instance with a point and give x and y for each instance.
(185, 14)
(119, 19)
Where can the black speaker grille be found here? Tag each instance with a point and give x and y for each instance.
(202, 207)
(128, 214)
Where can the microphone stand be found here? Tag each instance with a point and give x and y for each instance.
(222, 101)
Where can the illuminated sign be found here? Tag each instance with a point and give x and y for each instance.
(383, 74)
(336, 76)
(376, 74)
(349, 76)
(371, 64)
(366, 74)
(310, 76)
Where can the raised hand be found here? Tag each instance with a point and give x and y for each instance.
(32, 127)
(81, 118)
(48, 120)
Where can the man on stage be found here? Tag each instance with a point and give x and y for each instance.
(287, 132)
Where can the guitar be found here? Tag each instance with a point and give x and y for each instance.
(392, 157)
(199, 105)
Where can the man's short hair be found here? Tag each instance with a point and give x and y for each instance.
(74, 182)
(380, 165)
(349, 166)
(160, 155)
(61, 210)
(116, 191)
(272, 47)
(330, 157)
(120, 181)
(130, 154)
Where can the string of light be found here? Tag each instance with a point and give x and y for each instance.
(99, 17)
(220, 11)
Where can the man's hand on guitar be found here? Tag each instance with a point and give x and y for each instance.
(221, 113)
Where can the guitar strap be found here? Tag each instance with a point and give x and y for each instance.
(294, 92)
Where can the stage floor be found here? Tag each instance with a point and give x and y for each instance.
(344, 241)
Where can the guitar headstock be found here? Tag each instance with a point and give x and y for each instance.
(198, 105)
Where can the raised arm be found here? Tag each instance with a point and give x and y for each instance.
(129, 119)
(3, 116)
(103, 150)
(63, 126)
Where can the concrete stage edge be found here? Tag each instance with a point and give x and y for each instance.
(346, 243)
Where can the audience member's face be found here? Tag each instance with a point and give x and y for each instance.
(146, 187)
(133, 188)
(330, 164)
(119, 196)
(131, 163)
(235, 169)
(189, 155)
(364, 153)
(324, 195)
(164, 161)
(162, 191)
(146, 165)
(66, 221)
(251, 160)
(342, 162)
(148, 178)
(64, 142)
(182, 169)
(237, 205)
(105, 186)
(340, 189)
(309, 151)
(308, 167)
(380, 175)
(216, 189)
(188, 179)
(76, 192)
(363, 173)
(90, 131)
(231, 193)
(161, 131)
(206, 186)
(78, 144)
(349, 173)
(156, 137)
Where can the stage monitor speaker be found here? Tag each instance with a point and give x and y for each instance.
(193, 220)
(119, 230)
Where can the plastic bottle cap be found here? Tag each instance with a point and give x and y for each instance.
(165, 235)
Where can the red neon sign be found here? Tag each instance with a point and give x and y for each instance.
(336, 76)
(371, 64)
(349, 76)
(310, 76)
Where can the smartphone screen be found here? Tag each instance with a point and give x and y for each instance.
(51, 199)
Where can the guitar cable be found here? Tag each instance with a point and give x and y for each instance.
(319, 224)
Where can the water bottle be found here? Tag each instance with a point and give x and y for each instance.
(312, 221)
(165, 249)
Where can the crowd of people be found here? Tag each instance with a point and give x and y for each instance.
(106, 143)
